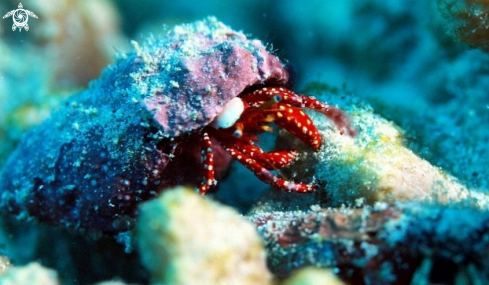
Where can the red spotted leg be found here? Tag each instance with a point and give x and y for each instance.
(334, 114)
(270, 160)
(298, 123)
(265, 175)
(291, 118)
(207, 161)
(338, 117)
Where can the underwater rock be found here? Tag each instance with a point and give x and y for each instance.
(32, 273)
(184, 238)
(385, 244)
(76, 256)
(128, 136)
(377, 166)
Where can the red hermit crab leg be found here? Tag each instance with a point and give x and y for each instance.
(270, 160)
(334, 114)
(207, 161)
(266, 176)
(288, 97)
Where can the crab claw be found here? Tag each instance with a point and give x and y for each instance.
(270, 160)
(266, 176)
(298, 123)
(290, 99)
(245, 117)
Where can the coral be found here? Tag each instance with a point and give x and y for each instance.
(376, 165)
(36, 274)
(30, 274)
(452, 134)
(22, 105)
(385, 244)
(184, 238)
(4, 264)
(467, 21)
(78, 41)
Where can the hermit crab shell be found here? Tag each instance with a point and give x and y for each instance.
(117, 143)
(188, 76)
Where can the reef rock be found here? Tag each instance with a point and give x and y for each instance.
(386, 244)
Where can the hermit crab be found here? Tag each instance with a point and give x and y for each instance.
(173, 111)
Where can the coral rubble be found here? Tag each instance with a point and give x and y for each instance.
(4, 264)
(385, 244)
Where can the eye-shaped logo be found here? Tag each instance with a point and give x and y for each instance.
(20, 17)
